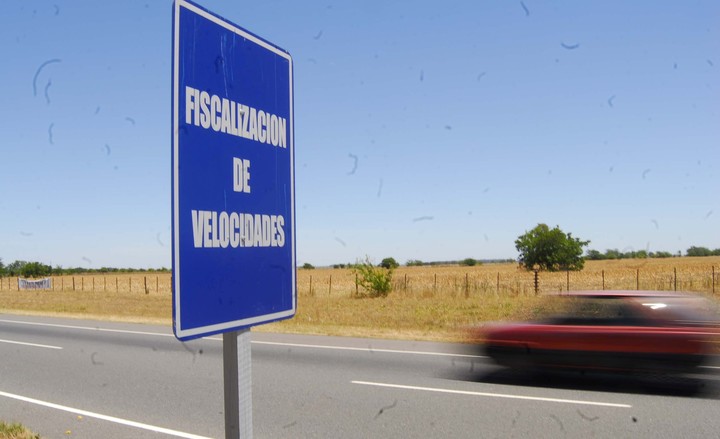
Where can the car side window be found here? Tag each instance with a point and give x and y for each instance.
(600, 312)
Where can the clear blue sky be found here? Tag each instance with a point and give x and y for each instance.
(423, 130)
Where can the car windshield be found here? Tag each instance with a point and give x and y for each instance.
(575, 310)
(682, 311)
(619, 310)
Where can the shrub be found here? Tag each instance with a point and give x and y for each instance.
(308, 266)
(376, 281)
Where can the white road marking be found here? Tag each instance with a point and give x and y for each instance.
(31, 344)
(492, 395)
(86, 328)
(103, 417)
(298, 345)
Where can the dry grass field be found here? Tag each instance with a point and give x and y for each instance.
(430, 303)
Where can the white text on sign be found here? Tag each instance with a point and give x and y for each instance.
(241, 175)
(222, 229)
(223, 115)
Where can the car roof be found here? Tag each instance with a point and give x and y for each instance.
(621, 293)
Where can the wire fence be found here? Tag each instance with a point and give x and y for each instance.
(467, 284)
(124, 284)
(430, 282)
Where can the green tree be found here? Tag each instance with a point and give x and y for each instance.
(376, 281)
(699, 251)
(15, 267)
(550, 249)
(641, 254)
(469, 262)
(594, 255)
(35, 269)
(661, 254)
(414, 263)
(613, 254)
(389, 263)
(308, 266)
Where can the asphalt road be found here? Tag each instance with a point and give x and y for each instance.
(87, 379)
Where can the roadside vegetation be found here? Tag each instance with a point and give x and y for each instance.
(421, 300)
(16, 431)
(425, 302)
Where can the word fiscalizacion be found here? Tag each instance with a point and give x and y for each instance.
(223, 115)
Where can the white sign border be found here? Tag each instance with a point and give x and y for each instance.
(224, 326)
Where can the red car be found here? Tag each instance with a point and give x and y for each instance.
(629, 331)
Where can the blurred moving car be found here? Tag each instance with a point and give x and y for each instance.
(627, 331)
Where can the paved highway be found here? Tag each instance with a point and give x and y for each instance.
(88, 379)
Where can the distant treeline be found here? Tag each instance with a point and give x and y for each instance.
(38, 269)
(594, 255)
(390, 262)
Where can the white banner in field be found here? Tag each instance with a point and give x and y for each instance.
(35, 284)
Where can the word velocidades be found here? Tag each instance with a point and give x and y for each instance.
(213, 229)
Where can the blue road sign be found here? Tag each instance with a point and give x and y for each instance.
(233, 189)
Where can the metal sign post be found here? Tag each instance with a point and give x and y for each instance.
(237, 375)
(233, 191)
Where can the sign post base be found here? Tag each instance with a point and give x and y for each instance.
(237, 376)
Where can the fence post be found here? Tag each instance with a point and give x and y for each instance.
(116, 284)
(713, 279)
(356, 285)
(675, 278)
(157, 284)
(498, 282)
(467, 287)
(104, 283)
(405, 287)
(603, 279)
(435, 283)
(637, 280)
(330, 286)
(537, 281)
(310, 292)
(146, 290)
(73, 283)
(568, 281)
(93, 278)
